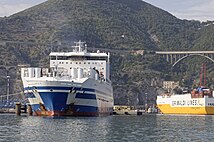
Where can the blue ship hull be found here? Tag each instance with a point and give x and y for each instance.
(54, 102)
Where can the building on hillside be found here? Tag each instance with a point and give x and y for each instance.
(138, 52)
(169, 85)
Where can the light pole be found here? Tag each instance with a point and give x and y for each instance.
(7, 69)
(8, 87)
(146, 104)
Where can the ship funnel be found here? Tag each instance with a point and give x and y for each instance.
(31, 72)
(80, 73)
(37, 72)
(24, 72)
(74, 73)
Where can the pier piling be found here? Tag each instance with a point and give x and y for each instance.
(29, 110)
(18, 108)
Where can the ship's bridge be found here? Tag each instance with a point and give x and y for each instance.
(81, 60)
(78, 56)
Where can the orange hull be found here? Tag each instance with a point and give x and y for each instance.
(60, 113)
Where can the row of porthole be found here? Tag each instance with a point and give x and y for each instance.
(77, 62)
(85, 68)
(210, 104)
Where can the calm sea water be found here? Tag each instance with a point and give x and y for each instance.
(110, 129)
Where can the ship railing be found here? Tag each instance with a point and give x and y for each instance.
(59, 74)
(165, 95)
(201, 94)
(39, 72)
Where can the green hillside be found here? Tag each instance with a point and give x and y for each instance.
(107, 23)
(119, 26)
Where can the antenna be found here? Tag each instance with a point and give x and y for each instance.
(79, 46)
(203, 74)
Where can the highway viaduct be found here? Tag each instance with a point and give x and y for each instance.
(174, 57)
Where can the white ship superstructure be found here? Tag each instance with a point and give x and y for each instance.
(77, 83)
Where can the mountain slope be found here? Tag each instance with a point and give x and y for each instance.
(106, 23)
(119, 26)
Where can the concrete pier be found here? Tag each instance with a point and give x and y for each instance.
(132, 110)
(128, 112)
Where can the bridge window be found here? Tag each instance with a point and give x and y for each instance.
(77, 58)
(61, 58)
(96, 58)
(52, 57)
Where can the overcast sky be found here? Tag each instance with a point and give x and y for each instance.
(202, 10)
(9, 7)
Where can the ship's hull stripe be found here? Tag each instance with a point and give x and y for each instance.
(85, 96)
(58, 88)
(61, 89)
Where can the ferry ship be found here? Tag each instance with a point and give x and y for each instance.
(76, 84)
(199, 102)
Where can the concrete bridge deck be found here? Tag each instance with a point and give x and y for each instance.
(173, 57)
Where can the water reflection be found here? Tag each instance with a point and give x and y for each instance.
(9, 128)
(65, 128)
(112, 128)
